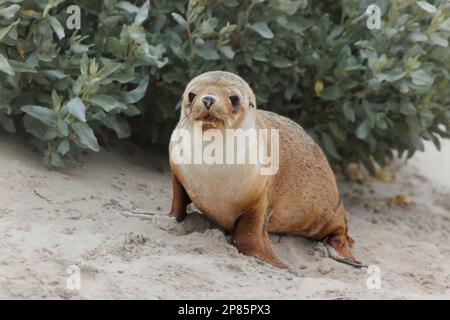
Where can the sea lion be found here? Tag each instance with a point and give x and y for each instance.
(301, 198)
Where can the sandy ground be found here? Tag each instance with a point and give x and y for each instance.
(93, 218)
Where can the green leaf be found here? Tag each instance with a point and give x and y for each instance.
(382, 124)
(228, 28)
(337, 131)
(207, 27)
(54, 74)
(138, 93)
(45, 115)
(227, 52)
(207, 52)
(421, 78)
(9, 12)
(63, 128)
(77, 108)
(57, 27)
(109, 69)
(5, 66)
(230, 3)
(39, 129)
(391, 76)
(291, 7)
(142, 15)
(407, 108)
(363, 130)
(127, 6)
(445, 25)
(7, 123)
(56, 160)
(56, 101)
(331, 93)
(117, 48)
(179, 19)
(131, 111)
(21, 67)
(418, 36)
(428, 7)
(4, 31)
(86, 136)
(439, 40)
(329, 146)
(106, 102)
(119, 125)
(281, 62)
(262, 29)
(349, 113)
(50, 5)
(63, 147)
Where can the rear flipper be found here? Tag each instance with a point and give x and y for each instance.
(338, 248)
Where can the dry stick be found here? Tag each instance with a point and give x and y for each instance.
(131, 213)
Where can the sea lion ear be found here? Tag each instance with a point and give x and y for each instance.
(252, 100)
(252, 103)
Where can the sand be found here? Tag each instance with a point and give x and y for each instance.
(95, 219)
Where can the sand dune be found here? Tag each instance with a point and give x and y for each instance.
(96, 219)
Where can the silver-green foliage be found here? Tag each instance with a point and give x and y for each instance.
(62, 86)
(360, 93)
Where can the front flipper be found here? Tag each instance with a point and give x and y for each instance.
(252, 239)
(180, 200)
(338, 248)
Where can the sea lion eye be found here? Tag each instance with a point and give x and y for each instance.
(234, 101)
(191, 96)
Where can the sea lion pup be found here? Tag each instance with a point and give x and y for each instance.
(302, 198)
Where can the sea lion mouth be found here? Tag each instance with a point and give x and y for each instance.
(210, 120)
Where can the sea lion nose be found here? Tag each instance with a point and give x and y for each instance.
(208, 101)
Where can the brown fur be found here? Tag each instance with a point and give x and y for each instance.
(301, 199)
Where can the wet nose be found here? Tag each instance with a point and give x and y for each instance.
(208, 101)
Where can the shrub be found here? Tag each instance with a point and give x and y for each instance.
(360, 93)
(62, 89)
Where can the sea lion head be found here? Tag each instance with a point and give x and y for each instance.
(218, 99)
